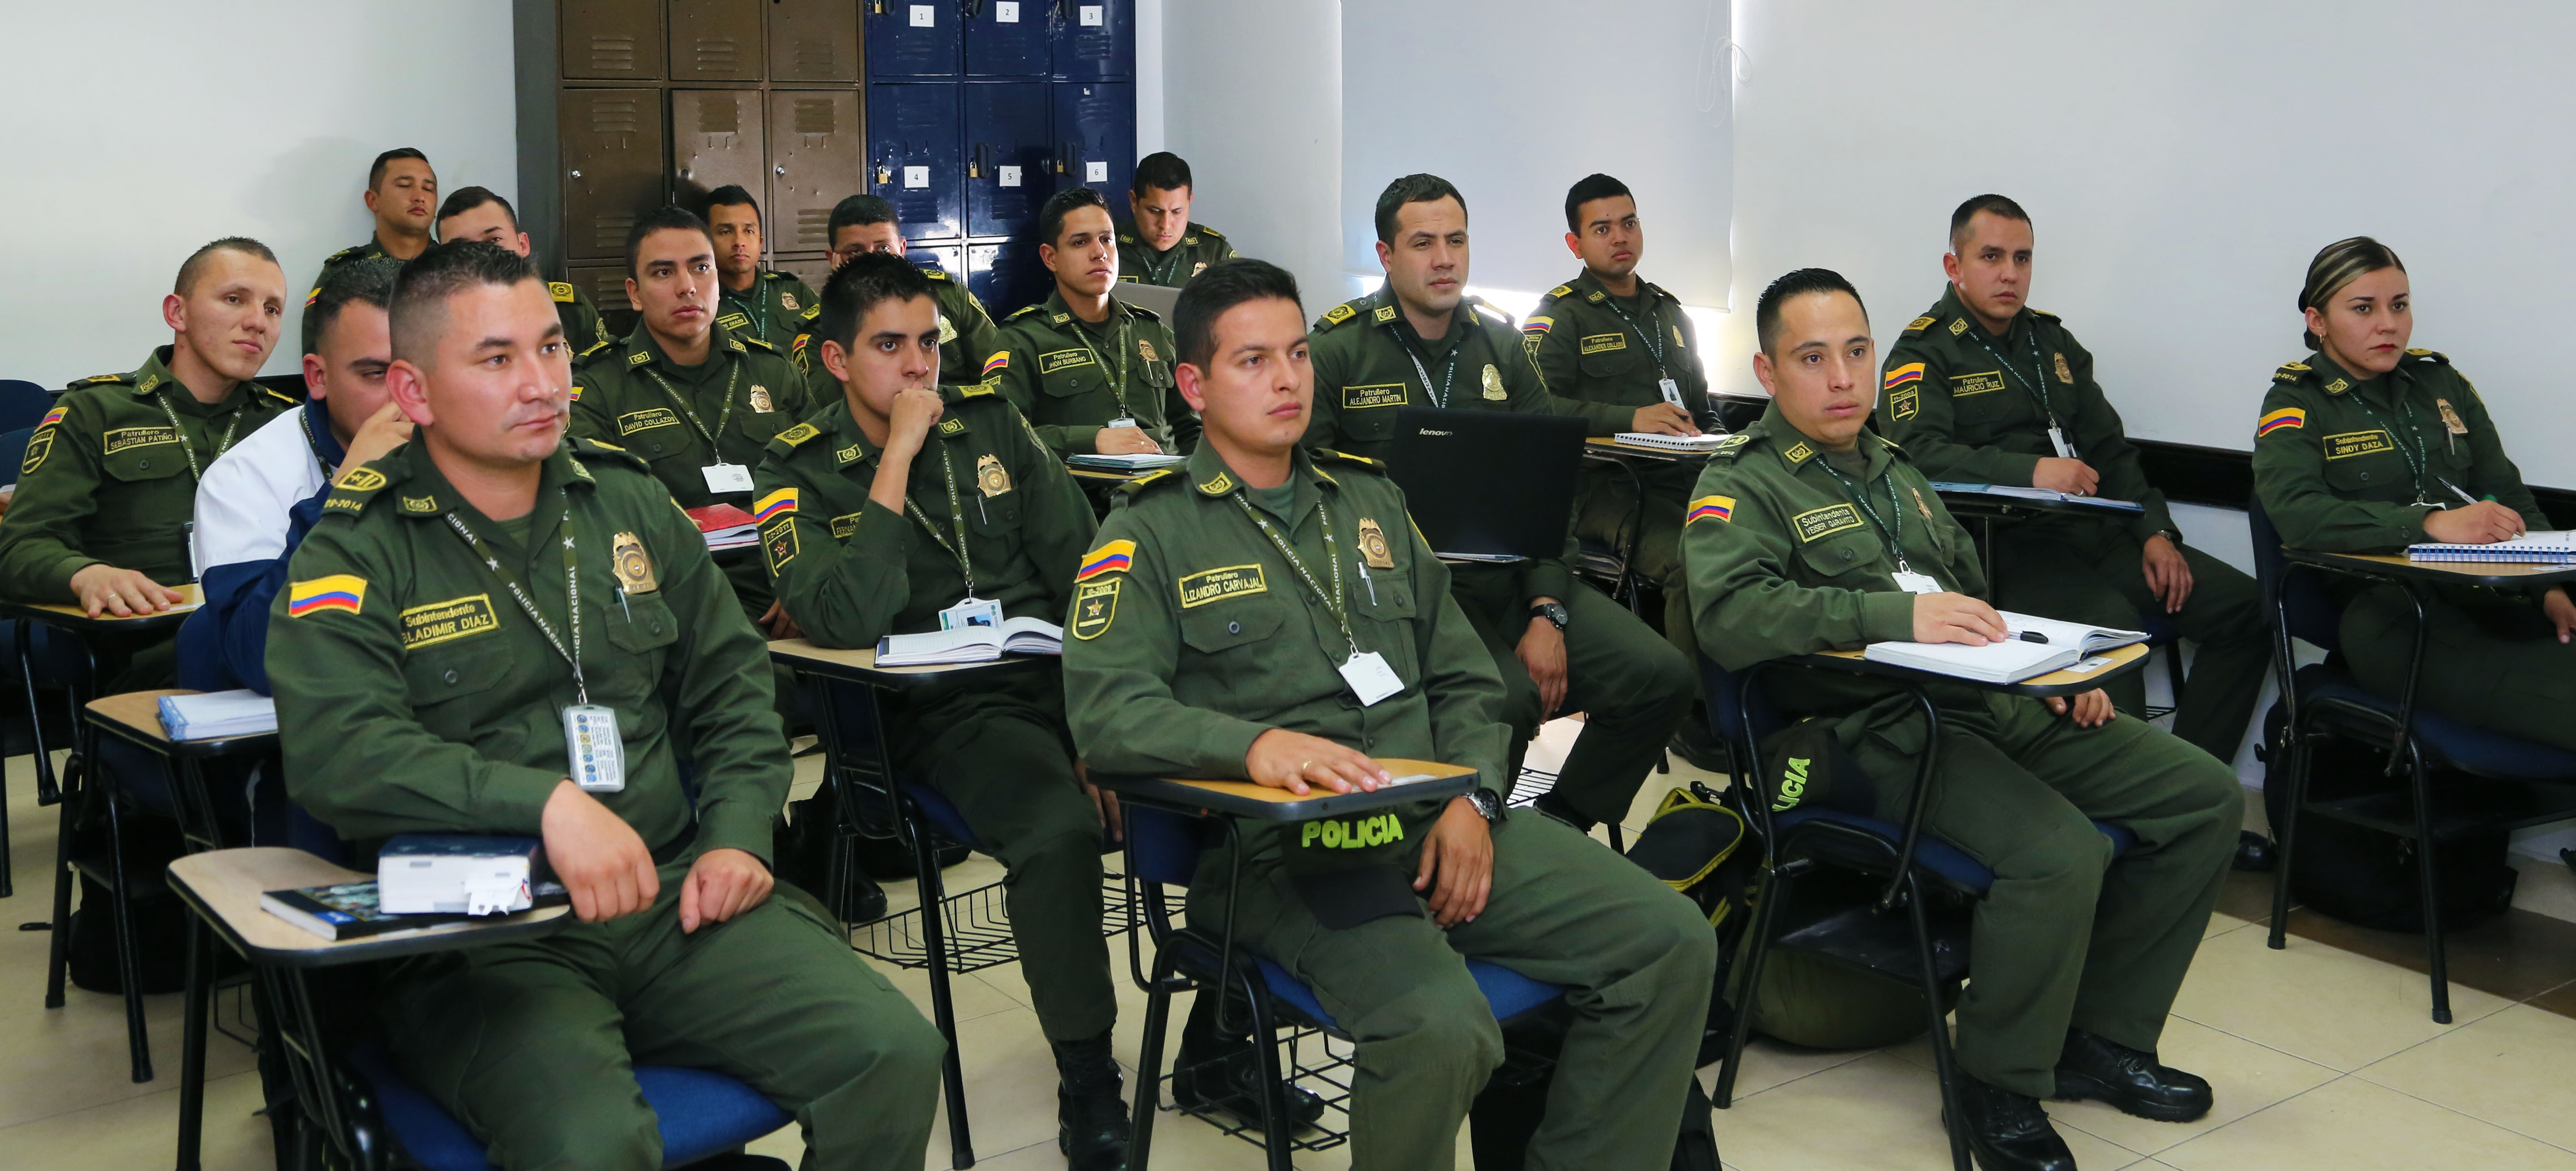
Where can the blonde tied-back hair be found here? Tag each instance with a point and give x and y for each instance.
(2336, 265)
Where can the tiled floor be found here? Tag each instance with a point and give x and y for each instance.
(2324, 1056)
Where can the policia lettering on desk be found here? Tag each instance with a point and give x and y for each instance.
(1808, 533)
(1238, 591)
(893, 505)
(2366, 446)
(457, 600)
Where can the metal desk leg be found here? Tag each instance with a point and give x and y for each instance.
(22, 638)
(192, 1056)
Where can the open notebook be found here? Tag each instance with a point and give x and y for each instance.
(971, 644)
(2045, 495)
(2011, 660)
(1706, 441)
(2537, 547)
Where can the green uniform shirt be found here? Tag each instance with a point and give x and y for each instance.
(1198, 247)
(2346, 465)
(1966, 404)
(631, 394)
(1071, 378)
(1191, 635)
(966, 338)
(415, 695)
(582, 325)
(772, 310)
(851, 571)
(1592, 346)
(369, 250)
(108, 478)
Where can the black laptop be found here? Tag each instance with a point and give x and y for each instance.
(1488, 485)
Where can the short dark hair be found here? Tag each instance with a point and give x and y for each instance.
(1224, 285)
(194, 267)
(1991, 205)
(731, 195)
(665, 218)
(376, 170)
(1588, 188)
(465, 199)
(1415, 188)
(1062, 204)
(857, 211)
(1766, 313)
(418, 309)
(860, 285)
(364, 282)
(1161, 169)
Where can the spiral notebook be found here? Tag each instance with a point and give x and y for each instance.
(2537, 547)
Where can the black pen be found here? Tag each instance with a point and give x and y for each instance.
(2028, 635)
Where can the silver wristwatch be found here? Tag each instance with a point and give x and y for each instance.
(1487, 805)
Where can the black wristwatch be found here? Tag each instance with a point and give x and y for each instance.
(1487, 805)
(1552, 611)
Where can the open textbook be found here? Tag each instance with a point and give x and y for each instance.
(2012, 660)
(971, 644)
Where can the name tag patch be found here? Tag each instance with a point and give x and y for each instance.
(126, 437)
(2352, 443)
(1390, 394)
(1199, 589)
(646, 420)
(448, 621)
(1600, 342)
(1824, 522)
(1963, 385)
(1063, 360)
(843, 526)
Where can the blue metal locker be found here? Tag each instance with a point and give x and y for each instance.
(913, 134)
(1009, 38)
(1095, 40)
(1006, 275)
(1009, 158)
(947, 256)
(1095, 131)
(907, 38)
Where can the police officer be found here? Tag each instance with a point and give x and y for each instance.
(1559, 644)
(479, 213)
(1092, 372)
(693, 398)
(1984, 388)
(1268, 613)
(862, 224)
(2367, 447)
(459, 600)
(401, 190)
(1160, 245)
(101, 515)
(899, 505)
(1808, 533)
(763, 306)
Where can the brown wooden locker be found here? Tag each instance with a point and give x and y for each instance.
(814, 40)
(613, 155)
(816, 147)
(715, 40)
(813, 270)
(716, 139)
(612, 40)
(606, 284)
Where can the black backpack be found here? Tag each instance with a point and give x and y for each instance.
(2363, 876)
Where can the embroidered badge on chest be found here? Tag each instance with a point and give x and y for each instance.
(1373, 545)
(634, 567)
(990, 476)
(1494, 384)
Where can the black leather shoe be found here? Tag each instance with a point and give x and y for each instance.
(1091, 1118)
(1225, 1076)
(1693, 742)
(2253, 852)
(2130, 1081)
(2009, 1131)
(1556, 806)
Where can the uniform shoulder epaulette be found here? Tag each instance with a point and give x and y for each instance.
(2434, 356)
(100, 380)
(1126, 238)
(1922, 323)
(1210, 233)
(1169, 475)
(1143, 312)
(2044, 313)
(597, 347)
(1342, 457)
(351, 252)
(957, 393)
(356, 489)
(1489, 310)
(1894, 446)
(1023, 311)
(561, 291)
(599, 452)
(2290, 372)
(789, 438)
(279, 395)
(1347, 311)
(749, 342)
(935, 273)
(1732, 446)
(1552, 294)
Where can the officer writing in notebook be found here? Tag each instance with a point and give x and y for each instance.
(1984, 388)
(904, 506)
(461, 604)
(1160, 244)
(691, 397)
(761, 305)
(1560, 646)
(1808, 533)
(1092, 372)
(402, 193)
(479, 213)
(1267, 613)
(862, 224)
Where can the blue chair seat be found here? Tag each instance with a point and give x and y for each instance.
(2472, 749)
(943, 815)
(699, 1114)
(1940, 857)
(1508, 992)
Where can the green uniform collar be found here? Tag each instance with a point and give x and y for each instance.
(154, 376)
(417, 489)
(643, 349)
(1952, 308)
(2332, 378)
(1059, 314)
(1384, 310)
(1588, 287)
(1797, 450)
(1208, 475)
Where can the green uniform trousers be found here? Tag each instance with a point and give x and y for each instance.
(1633, 687)
(2066, 936)
(1635, 958)
(2092, 573)
(1609, 515)
(531, 1045)
(2509, 673)
(1000, 755)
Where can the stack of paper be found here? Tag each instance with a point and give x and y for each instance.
(218, 714)
(2011, 660)
(1706, 441)
(971, 644)
(458, 874)
(1123, 463)
(2537, 547)
(725, 526)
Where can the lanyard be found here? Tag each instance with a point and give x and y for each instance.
(956, 516)
(1860, 495)
(733, 372)
(1332, 601)
(2416, 457)
(756, 307)
(2038, 387)
(1162, 273)
(1448, 376)
(1654, 338)
(572, 594)
(1126, 326)
(189, 446)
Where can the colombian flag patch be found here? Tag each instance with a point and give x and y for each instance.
(51, 417)
(338, 591)
(1538, 325)
(1711, 508)
(778, 503)
(2284, 418)
(1113, 557)
(1000, 360)
(1905, 375)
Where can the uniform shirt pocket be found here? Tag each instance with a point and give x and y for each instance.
(1607, 355)
(1845, 558)
(1230, 624)
(138, 454)
(443, 678)
(641, 623)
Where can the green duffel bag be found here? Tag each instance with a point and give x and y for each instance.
(1824, 1002)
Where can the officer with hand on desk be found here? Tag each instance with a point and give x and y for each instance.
(105, 495)
(1560, 645)
(1982, 387)
(2368, 447)
(903, 504)
(1092, 372)
(1268, 613)
(460, 600)
(1811, 534)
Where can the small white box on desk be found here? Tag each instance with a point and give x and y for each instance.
(458, 874)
